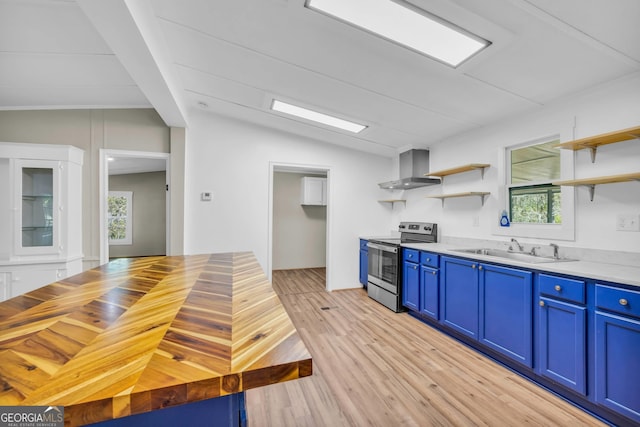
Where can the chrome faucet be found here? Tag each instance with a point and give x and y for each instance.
(520, 247)
(555, 250)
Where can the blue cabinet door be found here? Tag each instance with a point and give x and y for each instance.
(459, 295)
(228, 410)
(364, 262)
(429, 292)
(618, 364)
(506, 312)
(411, 285)
(562, 343)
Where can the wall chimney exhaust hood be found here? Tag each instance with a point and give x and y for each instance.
(414, 164)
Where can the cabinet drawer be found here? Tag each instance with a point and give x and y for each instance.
(619, 300)
(563, 288)
(411, 255)
(429, 259)
(363, 245)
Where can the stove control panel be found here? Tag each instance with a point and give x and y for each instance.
(418, 228)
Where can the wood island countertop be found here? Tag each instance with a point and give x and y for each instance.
(136, 335)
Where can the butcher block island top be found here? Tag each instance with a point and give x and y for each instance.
(136, 335)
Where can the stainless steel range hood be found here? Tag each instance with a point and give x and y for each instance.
(413, 165)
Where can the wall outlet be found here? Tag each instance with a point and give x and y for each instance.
(628, 222)
(206, 196)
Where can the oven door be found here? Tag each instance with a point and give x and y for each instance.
(383, 266)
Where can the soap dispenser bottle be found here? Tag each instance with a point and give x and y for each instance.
(504, 219)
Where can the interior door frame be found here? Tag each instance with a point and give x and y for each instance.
(300, 168)
(104, 192)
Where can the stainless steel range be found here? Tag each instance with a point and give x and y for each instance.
(384, 272)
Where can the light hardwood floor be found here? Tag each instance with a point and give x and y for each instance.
(373, 367)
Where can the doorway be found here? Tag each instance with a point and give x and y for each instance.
(298, 232)
(134, 204)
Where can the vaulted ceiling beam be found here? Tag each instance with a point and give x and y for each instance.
(132, 31)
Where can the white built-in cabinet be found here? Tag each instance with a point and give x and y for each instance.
(40, 215)
(313, 191)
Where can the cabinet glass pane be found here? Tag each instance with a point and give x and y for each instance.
(37, 207)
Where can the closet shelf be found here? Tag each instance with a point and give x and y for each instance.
(593, 142)
(481, 194)
(592, 182)
(460, 169)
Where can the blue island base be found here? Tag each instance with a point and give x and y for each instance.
(220, 411)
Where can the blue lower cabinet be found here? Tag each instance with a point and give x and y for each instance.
(618, 364)
(562, 343)
(506, 312)
(411, 285)
(364, 262)
(459, 295)
(429, 294)
(228, 411)
(586, 336)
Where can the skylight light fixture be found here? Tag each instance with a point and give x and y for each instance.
(406, 25)
(315, 116)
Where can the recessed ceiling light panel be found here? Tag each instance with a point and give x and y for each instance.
(406, 25)
(316, 116)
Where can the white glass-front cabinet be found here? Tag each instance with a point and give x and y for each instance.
(40, 215)
(36, 225)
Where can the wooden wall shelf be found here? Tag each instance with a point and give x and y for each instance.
(481, 194)
(593, 142)
(393, 201)
(592, 182)
(460, 169)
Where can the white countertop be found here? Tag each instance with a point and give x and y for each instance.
(614, 273)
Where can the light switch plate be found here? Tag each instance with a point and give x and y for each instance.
(628, 222)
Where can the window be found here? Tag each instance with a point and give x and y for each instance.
(539, 204)
(537, 208)
(120, 217)
(533, 199)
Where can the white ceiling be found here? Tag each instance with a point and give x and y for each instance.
(231, 57)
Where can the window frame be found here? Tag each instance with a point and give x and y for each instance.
(563, 231)
(128, 240)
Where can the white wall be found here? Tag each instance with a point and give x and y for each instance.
(231, 159)
(603, 109)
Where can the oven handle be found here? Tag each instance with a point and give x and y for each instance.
(384, 248)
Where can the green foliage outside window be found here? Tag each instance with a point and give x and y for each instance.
(536, 204)
(117, 228)
(118, 213)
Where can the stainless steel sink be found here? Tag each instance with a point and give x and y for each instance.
(516, 256)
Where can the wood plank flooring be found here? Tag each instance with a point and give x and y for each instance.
(373, 367)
